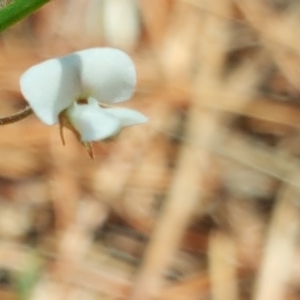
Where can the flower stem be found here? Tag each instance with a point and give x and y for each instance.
(17, 10)
(27, 111)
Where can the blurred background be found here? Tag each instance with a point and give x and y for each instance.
(201, 202)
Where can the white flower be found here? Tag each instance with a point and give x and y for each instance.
(57, 87)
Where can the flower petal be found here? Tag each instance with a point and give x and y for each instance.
(92, 123)
(51, 86)
(127, 116)
(107, 74)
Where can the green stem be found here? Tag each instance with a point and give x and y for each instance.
(18, 10)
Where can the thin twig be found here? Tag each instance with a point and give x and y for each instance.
(27, 111)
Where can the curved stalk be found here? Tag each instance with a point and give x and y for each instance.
(27, 111)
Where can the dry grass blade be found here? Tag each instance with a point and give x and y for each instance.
(244, 151)
(186, 187)
(280, 250)
(223, 267)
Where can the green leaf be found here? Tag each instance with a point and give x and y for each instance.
(27, 279)
(18, 10)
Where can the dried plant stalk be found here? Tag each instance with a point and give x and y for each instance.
(280, 249)
(223, 267)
